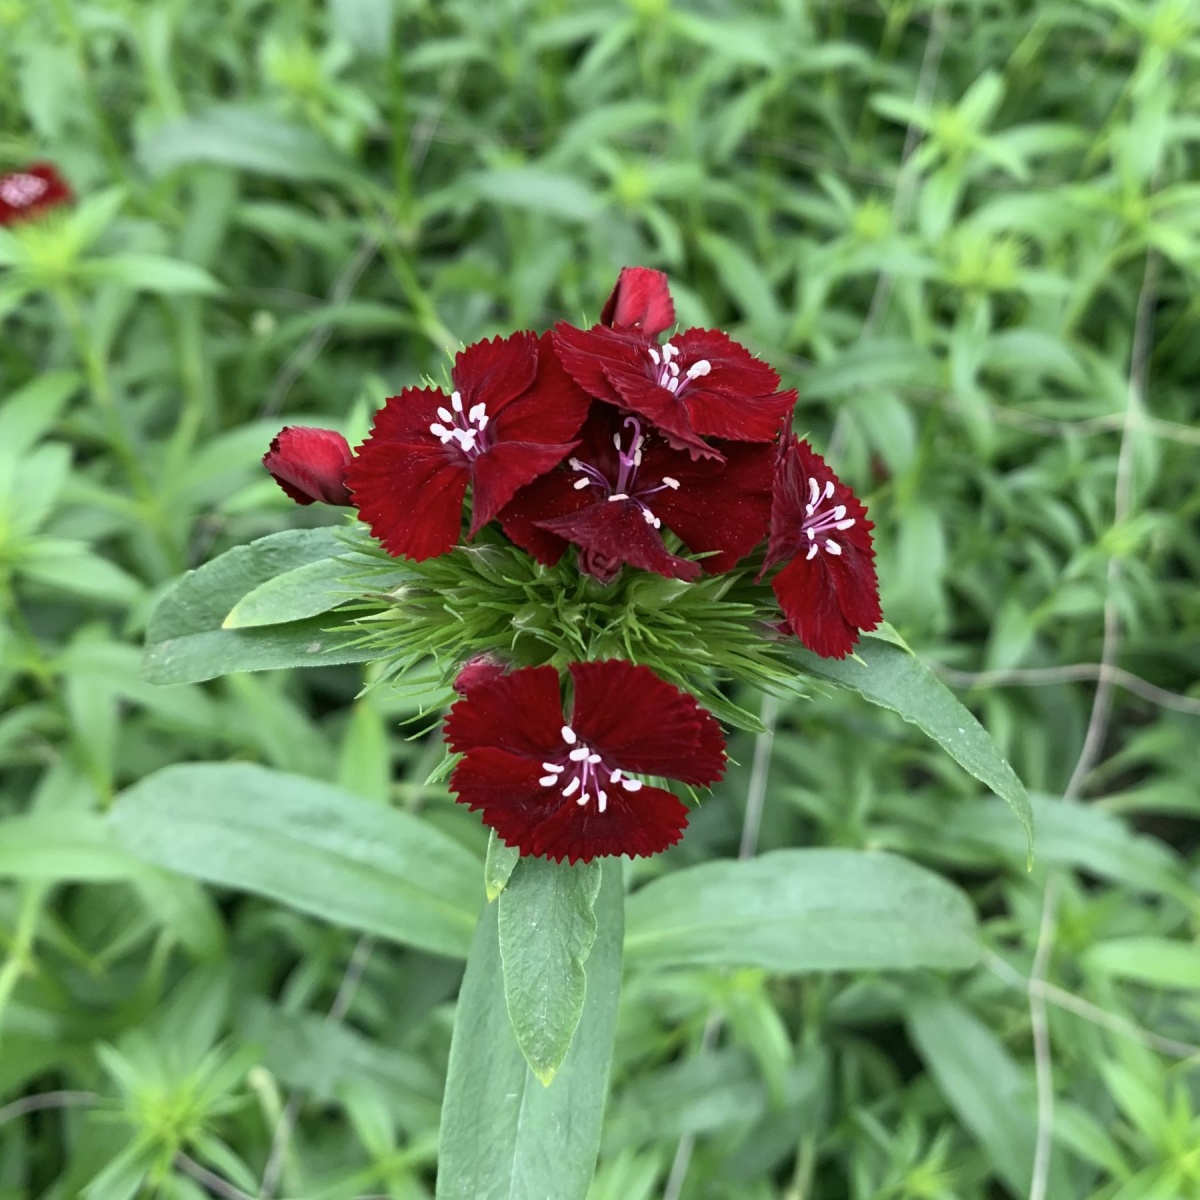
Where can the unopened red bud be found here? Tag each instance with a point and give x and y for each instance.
(310, 464)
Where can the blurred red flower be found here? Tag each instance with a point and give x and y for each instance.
(30, 191)
(640, 303)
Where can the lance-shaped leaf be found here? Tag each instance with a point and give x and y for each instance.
(887, 673)
(547, 927)
(186, 641)
(308, 845)
(803, 910)
(498, 866)
(503, 1134)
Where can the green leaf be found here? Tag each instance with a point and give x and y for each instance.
(990, 1093)
(890, 675)
(61, 846)
(498, 866)
(236, 136)
(152, 273)
(185, 640)
(30, 410)
(547, 927)
(307, 845)
(803, 910)
(306, 591)
(537, 190)
(1157, 961)
(503, 1135)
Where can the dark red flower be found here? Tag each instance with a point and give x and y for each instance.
(640, 303)
(699, 384)
(482, 668)
(310, 464)
(30, 191)
(560, 787)
(622, 487)
(828, 591)
(512, 416)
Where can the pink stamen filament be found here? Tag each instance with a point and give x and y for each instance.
(819, 520)
(585, 773)
(629, 461)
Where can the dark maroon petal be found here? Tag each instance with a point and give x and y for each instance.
(641, 302)
(520, 712)
(409, 488)
(618, 530)
(30, 191)
(494, 373)
(310, 464)
(483, 668)
(503, 470)
(584, 353)
(808, 595)
(718, 506)
(541, 822)
(643, 724)
(538, 502)
(732, 368)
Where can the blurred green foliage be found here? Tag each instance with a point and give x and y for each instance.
(968, 232)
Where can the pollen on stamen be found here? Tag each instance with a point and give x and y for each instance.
(571, 787)
(619, 496)
(456, 402)
(603, 798)
(548, 780)
(631, 785)
(445, 414)
(829, 490)
(583, 799)
(580, 484)
(440, 431)
(699, 369)
(654, 357)
(578, 754)
(568, 735)
(846, 523)
(814, 493)
(553, 768)
(812, 552)
(670, 481)
(832, 546)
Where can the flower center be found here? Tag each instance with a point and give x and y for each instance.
(820, 520)
(583, 773)
(21, 190)
(667, 372)
(625, 487)
(462, 427)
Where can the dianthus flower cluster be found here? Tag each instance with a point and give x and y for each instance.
(632, 452)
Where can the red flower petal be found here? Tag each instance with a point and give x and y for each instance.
(644, 724)
(640, 302)
(409, 488)
(495, 372)
(540, 822)
(27, 192)
(520, 712)
(829, 590)
(310, 464)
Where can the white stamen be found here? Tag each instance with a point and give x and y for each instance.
(440, 431)
(477, 412)
(669, 351)
(674, 369)
(670, 482)
(812, 533)
(653, 358)
(829, 489)
(619, 496)
(583, 799)
(699, 369)
(832, 546)
(575, 464)
(603, 802)
(672, 386)
(812, 552)
(839, 511)
(568, 735)
(814, 493)
(617, 440)
(650, 518)
(553, 768)
(446, 415)
(571, 787)
(482, 420)
(548, 780)
(844, 524)
(580, 484)
(615, 776)
(456, 401)
(632, 785)
(593, 758)
(578, 754)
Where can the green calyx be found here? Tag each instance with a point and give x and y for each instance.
(491, 598)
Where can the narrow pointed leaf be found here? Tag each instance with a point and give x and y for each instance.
(308, 845)
(803, 910)
(503, 1135)
(888, 674)
(498, 866)
(547, 927)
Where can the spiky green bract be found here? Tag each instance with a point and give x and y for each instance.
(493, 598)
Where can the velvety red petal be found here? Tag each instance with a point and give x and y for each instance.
(732, 368)
(645, 725)
(482, 668)
(409, 488)
(617, 530)
(541, 822)
(503, 470)
(496, 372)
(310, 464)
(735, 417)
(808, 594)
(718, 506)
(584, 352)
(30, 191)
(520, 712)
(640, 301)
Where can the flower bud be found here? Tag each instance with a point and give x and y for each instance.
(483, 668)
(310, 464)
